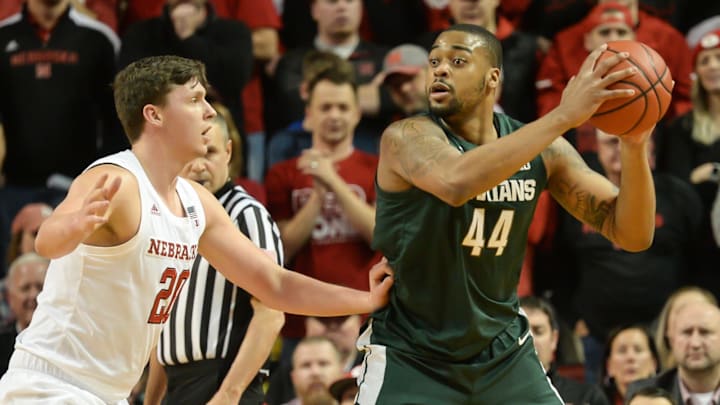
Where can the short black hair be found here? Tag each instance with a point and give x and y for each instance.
(539, 304)
(493, 46)
(652, 392)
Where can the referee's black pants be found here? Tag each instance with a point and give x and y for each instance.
(197, 382)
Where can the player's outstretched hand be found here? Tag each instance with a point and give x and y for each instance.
(381, 280)
(587, 90)
(92, 214)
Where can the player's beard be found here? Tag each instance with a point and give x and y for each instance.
(447, 110)
(453, 106)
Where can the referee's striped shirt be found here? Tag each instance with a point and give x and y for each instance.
(211, 315)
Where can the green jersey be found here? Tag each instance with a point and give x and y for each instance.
(456, 268)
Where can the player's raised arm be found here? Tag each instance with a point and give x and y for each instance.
(83, 215)
(244, 264)
(626, 216)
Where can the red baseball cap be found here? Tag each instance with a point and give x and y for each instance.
(610, 12)
(711, 40)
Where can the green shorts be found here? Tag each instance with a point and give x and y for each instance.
(506, 372)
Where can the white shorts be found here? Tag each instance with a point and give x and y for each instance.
(33, 387)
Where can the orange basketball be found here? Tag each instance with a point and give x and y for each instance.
(653, 88)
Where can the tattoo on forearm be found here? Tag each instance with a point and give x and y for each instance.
(590, 208)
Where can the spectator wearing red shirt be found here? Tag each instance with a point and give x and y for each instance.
(607, 22)
(569, 50)
(323, 201)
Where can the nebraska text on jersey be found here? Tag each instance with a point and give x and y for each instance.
(172, 250)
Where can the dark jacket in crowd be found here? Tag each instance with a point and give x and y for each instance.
(224, 46)
(576, 392)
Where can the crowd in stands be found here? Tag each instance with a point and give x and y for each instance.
(308, 86)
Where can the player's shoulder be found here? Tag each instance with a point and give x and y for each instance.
(507, 123)
(93, 174)
(412, 125)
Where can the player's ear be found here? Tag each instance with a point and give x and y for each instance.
(493, 78)
(152, 114)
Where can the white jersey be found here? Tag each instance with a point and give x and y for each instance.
(102, 308)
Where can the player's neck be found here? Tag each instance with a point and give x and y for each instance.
(161, 169)
(477, 127)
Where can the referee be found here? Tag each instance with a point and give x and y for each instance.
(218, 337)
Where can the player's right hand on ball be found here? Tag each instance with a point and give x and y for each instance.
(587, 90)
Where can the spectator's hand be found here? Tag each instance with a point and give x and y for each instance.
(543, 44)
(703, 173)
(186, 19)
(587, 90)
(369, 95)
(381, 280)
(314, 163)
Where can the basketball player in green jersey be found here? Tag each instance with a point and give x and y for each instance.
(457, 189)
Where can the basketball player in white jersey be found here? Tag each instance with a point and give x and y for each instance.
(122, 244)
